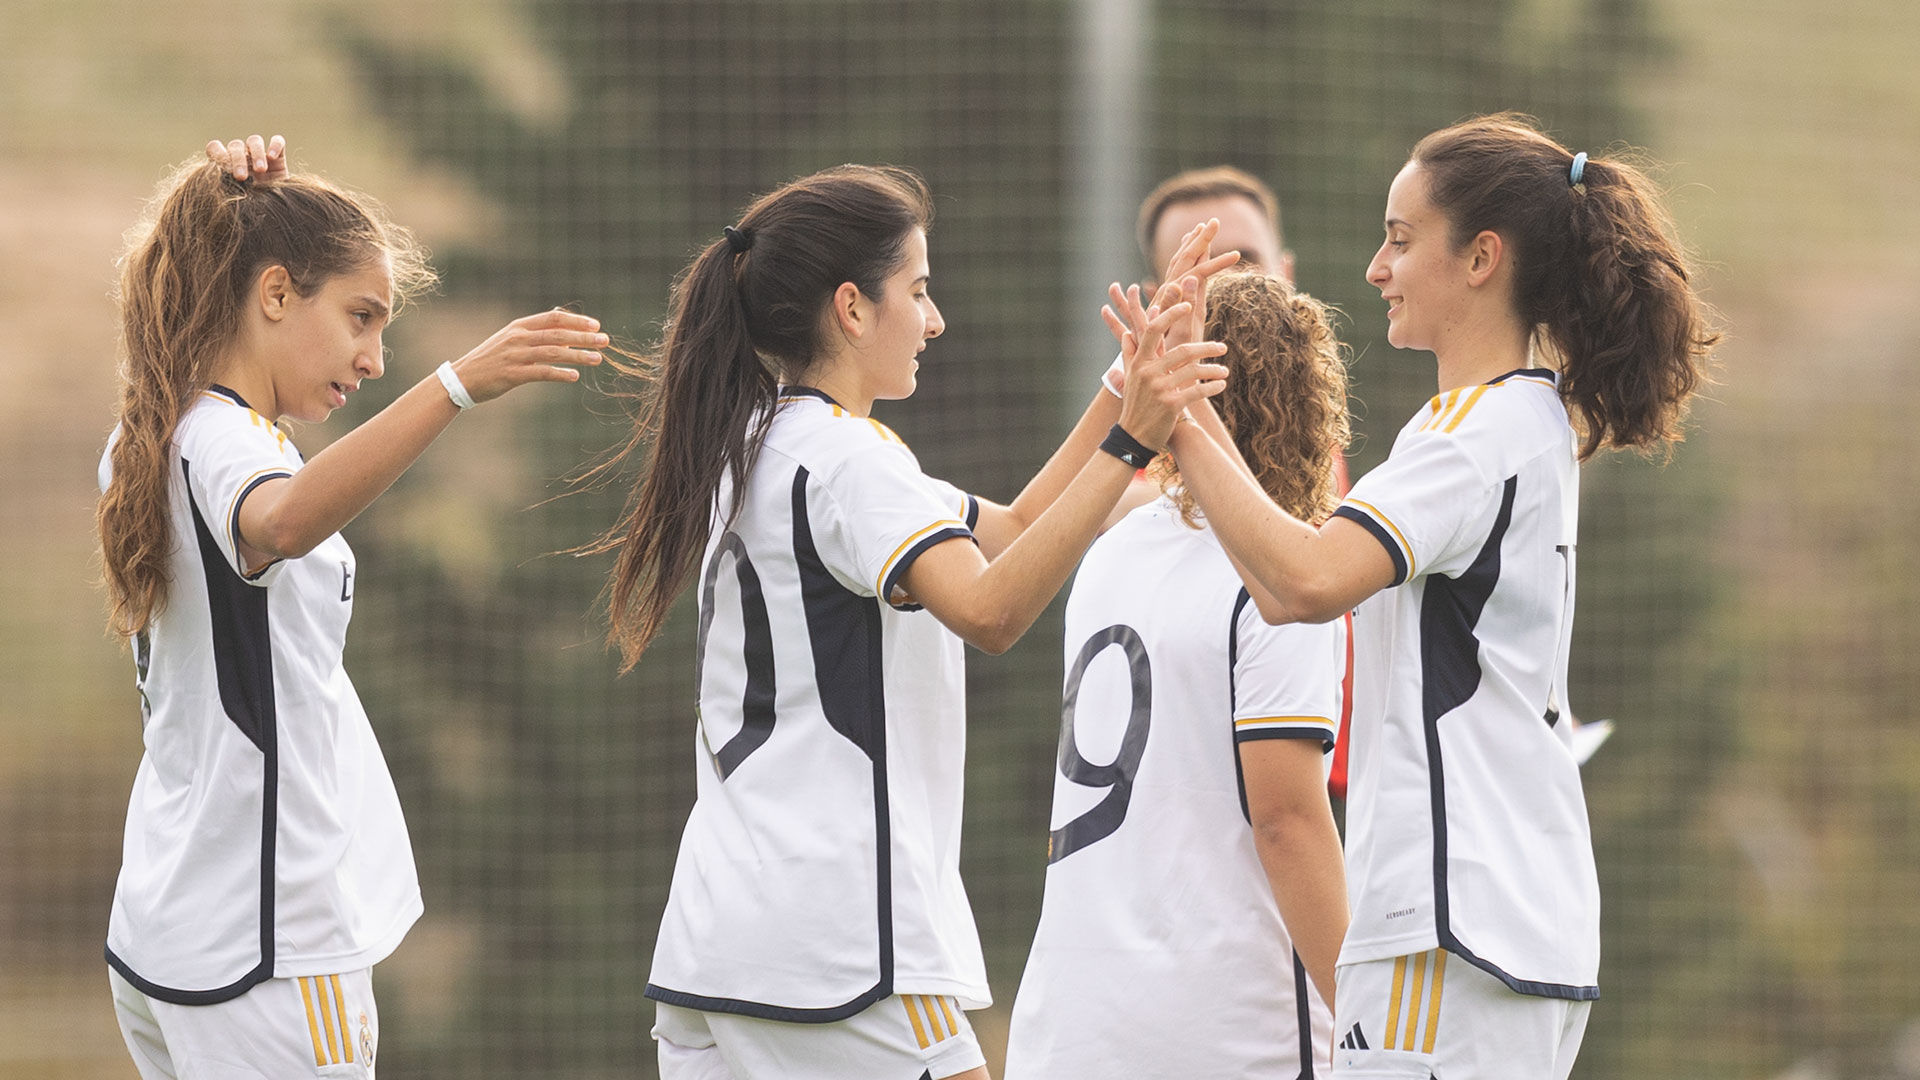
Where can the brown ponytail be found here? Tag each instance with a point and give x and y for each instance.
(186, 272)
(1598, 273)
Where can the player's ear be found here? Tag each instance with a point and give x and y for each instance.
(273, 292)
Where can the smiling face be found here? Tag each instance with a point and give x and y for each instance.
(1419, 273)
(322, 346)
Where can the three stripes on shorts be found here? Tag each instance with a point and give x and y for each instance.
(935, 1010)
(326, 1013)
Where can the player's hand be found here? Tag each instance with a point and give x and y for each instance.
(1161, 381)
(1193, 263)
(252, 158)
(549, 347)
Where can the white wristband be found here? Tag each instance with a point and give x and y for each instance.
(455, 388)
(1117, 368)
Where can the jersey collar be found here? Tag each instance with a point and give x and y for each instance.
(230, 394)
(807, 391)
(1548, 374)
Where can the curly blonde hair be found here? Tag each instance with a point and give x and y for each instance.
(1286, 402)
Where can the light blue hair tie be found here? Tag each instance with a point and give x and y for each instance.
(1579, 169)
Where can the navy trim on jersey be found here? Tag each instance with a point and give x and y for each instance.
(1258, 734)
(1450, 673)
(237, 399)
(1233, 697)
(845, 631)
(973, 512)
(233, 524)
(243, 666)
(1381, 534)
(938, 536)
(807, 391)
(1303, 1017)
(1548, 374)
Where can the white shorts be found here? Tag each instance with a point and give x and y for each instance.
(316, 1025)
(899, 1038)
(1434, 1014)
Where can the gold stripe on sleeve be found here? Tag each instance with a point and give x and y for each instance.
(919, 1029)
(326, 1020)
(313, 1025)
(945, 1008)
(887, 567)
(1413, 1007)
(1244, 721)
(1433, 1007)
(340, 1007)
(1465, 408)
(1405, 548)
(1393, 1004)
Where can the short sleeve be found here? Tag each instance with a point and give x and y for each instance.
(880, 513)
(1421, 503)
(967, 505)
(226, 453)
(1286, 679)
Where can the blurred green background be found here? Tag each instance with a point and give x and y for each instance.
(1747, 613)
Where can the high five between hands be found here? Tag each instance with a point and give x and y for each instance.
(1164, 340)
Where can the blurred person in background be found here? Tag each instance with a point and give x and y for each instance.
(1249, 215)
(266, 865)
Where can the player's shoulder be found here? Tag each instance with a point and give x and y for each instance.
(1517, 415)
(826, 438)
(220, 420)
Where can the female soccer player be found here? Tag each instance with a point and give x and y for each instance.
(1180, 862)
(266, 866)
(1474, 943)
(817, 926)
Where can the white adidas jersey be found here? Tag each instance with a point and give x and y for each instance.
(264, 838)
(820, 867)
(1160, 950)
(1466, 825)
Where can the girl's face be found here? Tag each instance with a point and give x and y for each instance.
(327, 343)
(1418, 272)
(904, 321)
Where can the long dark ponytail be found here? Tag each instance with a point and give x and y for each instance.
(747, 313)
(1598, 272)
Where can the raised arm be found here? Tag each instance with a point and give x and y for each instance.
(1294, 571)
(286, 518)
(1187, 273)
(991, 603)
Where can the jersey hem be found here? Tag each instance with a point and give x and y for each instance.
(176, 996)
(1529, 987)
(762, 1010)
(292, 967)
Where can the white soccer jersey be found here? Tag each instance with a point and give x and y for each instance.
(820, 868)
(1160, 950)
(1466, 826)
(264, 838)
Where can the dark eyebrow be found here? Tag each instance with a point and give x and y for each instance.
(1392, 221)
(922, 279)
(378, 305)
